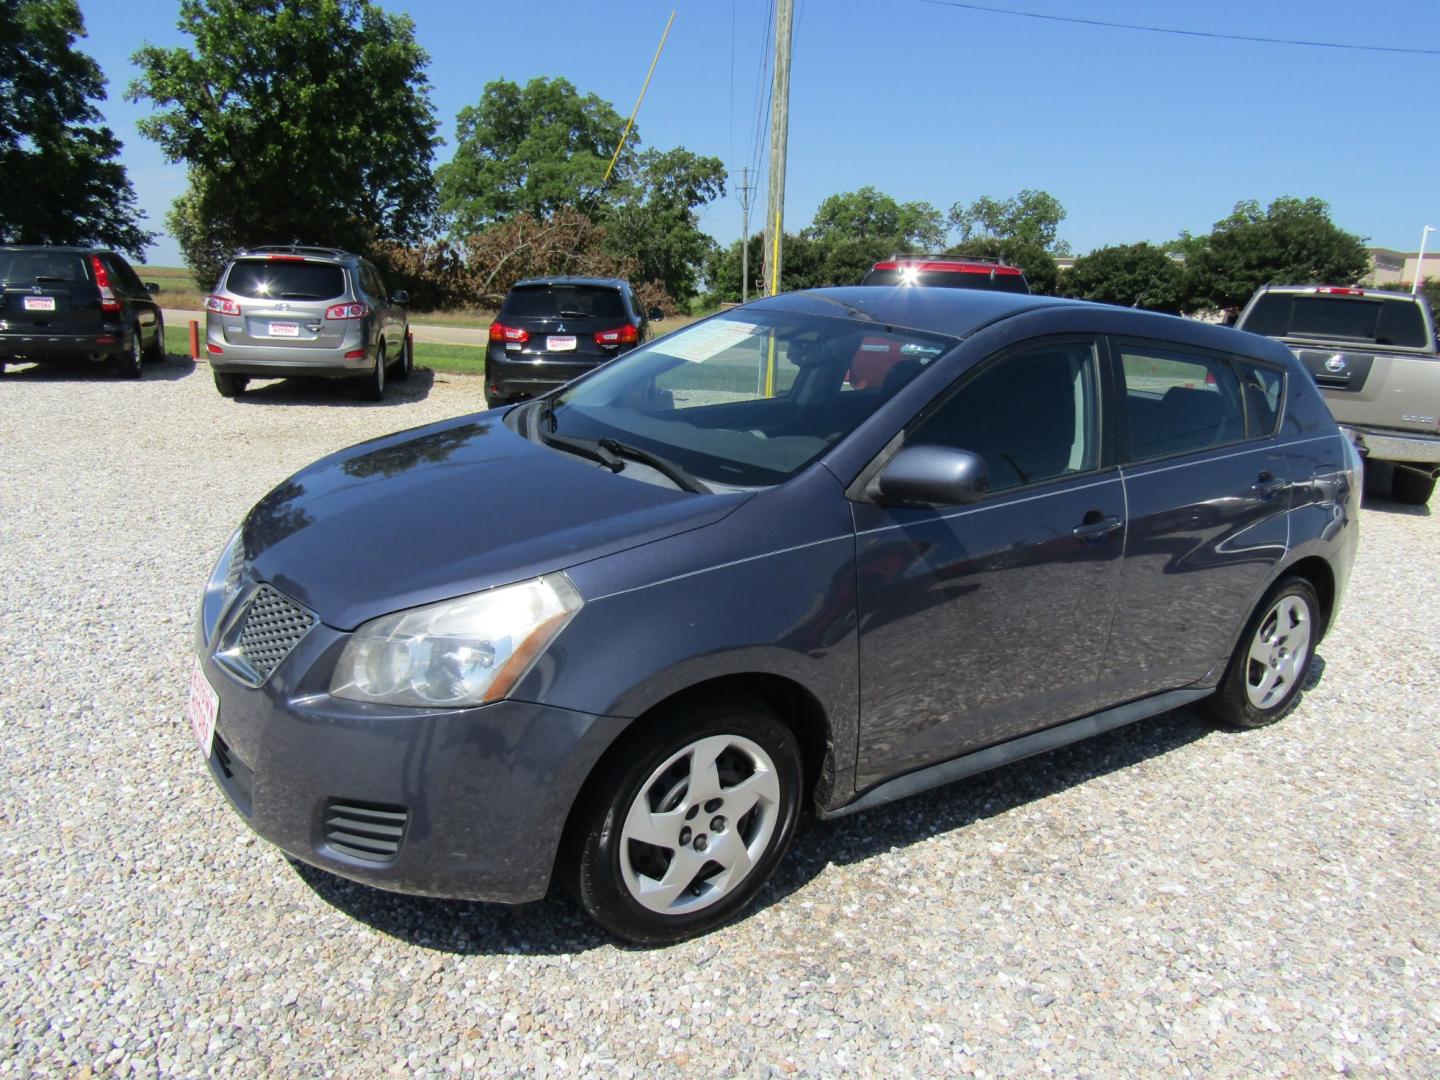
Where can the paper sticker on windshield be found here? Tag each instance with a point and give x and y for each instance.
(699, 343)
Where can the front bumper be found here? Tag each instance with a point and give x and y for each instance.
(475, 799)
(1396, 446)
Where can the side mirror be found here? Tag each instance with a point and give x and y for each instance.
(655, 314)
(152, 286)
(400, 296)
(932, 476)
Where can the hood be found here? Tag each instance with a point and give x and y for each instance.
(449, 509)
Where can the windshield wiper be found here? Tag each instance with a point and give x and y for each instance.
(666, 468)
(573, 314)
(584, 448)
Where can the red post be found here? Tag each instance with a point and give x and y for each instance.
(194, 340)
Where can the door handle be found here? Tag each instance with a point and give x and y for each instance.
(1094, 527)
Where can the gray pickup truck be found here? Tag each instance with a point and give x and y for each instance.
(1373, 355)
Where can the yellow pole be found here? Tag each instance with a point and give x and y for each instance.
(630, 123)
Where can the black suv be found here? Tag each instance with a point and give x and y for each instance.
(552, 330)
(948, 271)
(75, 303)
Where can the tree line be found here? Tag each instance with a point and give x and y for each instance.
(311, 120)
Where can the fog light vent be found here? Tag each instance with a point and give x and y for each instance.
(368, 831)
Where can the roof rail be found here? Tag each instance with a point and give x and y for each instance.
(296, 249)
(914, 257)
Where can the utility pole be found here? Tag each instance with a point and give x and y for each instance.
(745, 189)
(779, 137)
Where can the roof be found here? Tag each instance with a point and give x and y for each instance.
(59, 249)
(957, 312)
(562, 280)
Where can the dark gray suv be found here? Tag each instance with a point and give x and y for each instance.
(282, 311)
(623, 634)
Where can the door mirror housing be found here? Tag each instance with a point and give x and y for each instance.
(400, 296)
(655, 314)
(152, 287)
(932, 476)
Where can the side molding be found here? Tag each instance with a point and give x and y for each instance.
(1016, 749)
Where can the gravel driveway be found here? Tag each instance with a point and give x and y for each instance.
(1162, 900)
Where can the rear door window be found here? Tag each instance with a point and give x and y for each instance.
(563, 301)
(275, 279)
(1263, 389)
(1176, 403)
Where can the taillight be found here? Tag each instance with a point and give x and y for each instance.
(221, 306)
(347, 311)
(1335, 290)
(102, 279)
(622, 335)
(211, 347)
(501, 332)
(285, 258)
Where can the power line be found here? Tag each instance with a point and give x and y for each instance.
(1180, 33)
(762, 85)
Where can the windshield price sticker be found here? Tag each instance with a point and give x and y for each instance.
(699, 343)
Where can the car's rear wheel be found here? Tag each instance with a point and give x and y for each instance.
(157, 343)
(375, 383)
(1269, 667)
(406, 363)
(692, 824)
(230, 385)
(132, 364)
(1411, 487)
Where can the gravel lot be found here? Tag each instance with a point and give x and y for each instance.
(1163, 900)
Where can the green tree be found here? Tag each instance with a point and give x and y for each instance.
(1293, 242)
(530, 149)
(853, 230)
(653, 219)
(1031, 217)
(306, 119)
(57, 168)
(1133, 275)
(1037, 263)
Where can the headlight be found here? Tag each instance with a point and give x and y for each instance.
(467, 651)
(223, 583)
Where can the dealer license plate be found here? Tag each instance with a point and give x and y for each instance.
(560, 344)
(284, 329)
(39, 303)
(204, 707)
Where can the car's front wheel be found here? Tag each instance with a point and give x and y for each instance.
(1272, 661)
(692, 824)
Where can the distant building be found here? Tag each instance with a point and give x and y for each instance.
(1389, 267)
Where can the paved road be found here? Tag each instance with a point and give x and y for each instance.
(440, 335)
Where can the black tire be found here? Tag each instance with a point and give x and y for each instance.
(757, 765)
(1271, 662)
(1411, 487)
(131, 365)
(494, 402)
(157, 343)
(406, 364)
(230, 385)
(375, 381)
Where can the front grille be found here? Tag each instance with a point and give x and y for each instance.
(369, 831)
(271, 625)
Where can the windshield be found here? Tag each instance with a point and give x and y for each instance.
(745, 399)
(43, 266)
(1373, 320)
(275, 279)
(552, 301)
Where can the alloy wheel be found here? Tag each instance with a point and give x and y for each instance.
(1280, 652)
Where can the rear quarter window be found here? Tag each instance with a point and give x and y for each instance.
(265, 279)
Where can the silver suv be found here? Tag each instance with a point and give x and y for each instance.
(281, 311)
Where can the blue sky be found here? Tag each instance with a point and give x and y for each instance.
(1139, 135)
